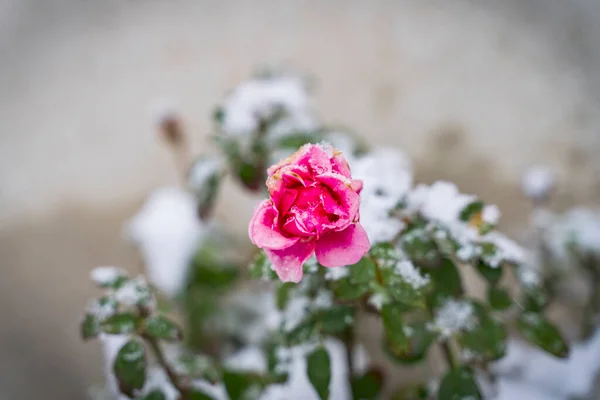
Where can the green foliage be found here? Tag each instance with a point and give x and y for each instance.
(121, 323)
(491, 274)
(486, 340)
(260, 267)
(397, 340)
(318, 370)
(499, 298)
(367, 386)
(153, 395)
(159, 327)
(538, 331)
(241, 385)
(130, 367)
(90, 327)
(471, 210)
(446, 282)
(419, 338)
(459, 384)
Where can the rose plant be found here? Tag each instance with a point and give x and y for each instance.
(403, 263)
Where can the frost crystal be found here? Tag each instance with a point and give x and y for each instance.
(454, 316)
(107, 275)
(410, 274)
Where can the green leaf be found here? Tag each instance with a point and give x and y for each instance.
(211, 271)
(391, 315)
(260, 267)
(153, 395)
(367, 386)
(459, 384)
(90, 327)
(219, 115)
(420, 247)
(534, 299)
(130, 367)
(282, 294)
(543, 334)
(336, 319)
(471, 210)
(499, 298)
(243, 386)
(318, 370)
(159, 327)
(385, 253)
(363, 271)
(446, 282)
(402, 289)
(420, 339)
(491, 274)
(121, 323)
(345, 290)
(486, 340)
(197, 394)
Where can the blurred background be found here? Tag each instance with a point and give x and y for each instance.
(473, 91)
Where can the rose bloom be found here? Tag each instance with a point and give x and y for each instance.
(313, 208)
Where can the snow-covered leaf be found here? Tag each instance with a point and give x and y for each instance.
(243, 386)
(459, 384)
(159, 327)
(130, 367)
(318, 370)
(121, 323)
(485, 339)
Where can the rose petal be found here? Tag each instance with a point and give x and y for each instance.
(288, 262)
(339, 164)
(347, 247)
(342, 190)
(295, 227)
(356, 185)
(264, 231)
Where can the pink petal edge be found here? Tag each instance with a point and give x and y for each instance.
(347, 247)
(263, 229)
(288, 262)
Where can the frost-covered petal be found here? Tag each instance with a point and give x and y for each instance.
(335, 249)
(288, 262)
(341, 188)
(264, 231)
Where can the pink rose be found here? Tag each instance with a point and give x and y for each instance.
(313, 207)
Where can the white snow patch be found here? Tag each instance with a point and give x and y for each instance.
(387, 177)
(262, 98)
(534, 371)
(453, 316)
(537, 182)
(107, 275)
(410, 274)
(167, 231)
